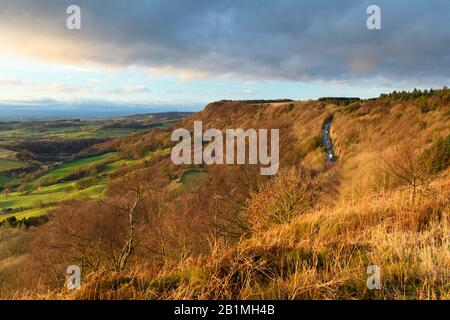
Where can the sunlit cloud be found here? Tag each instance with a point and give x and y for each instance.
(292, 40)
(165, 50)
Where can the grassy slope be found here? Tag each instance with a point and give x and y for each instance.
(86, 131)
(25, 214)
(53, 193)
(64, 190)
(49, 194)
(363, 136)
(324, 254)
(6, 165)
(81, 163)
(5, 180)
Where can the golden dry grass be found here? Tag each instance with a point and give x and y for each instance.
(321, 251)
(322, 254)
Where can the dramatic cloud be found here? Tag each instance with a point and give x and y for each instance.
(322, 40)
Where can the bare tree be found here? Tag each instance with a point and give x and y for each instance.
(404, 164)
(7, 190)
(99, 234)
(131, 195)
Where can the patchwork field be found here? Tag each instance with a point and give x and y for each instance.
(56, 170)
(66, 169)
(6, 165)
(34, 192)
(37, 199)
(25, 214)
(33, 201)
(5, 180)
(12, 132)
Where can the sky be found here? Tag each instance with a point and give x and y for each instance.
(180, 55)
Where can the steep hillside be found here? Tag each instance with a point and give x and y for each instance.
(363, 132)
(224, 231)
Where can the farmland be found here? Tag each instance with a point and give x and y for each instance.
(6, 165)
(317, 222)
(36, 199)
(35, 176)
(66, 169)
(11, 132)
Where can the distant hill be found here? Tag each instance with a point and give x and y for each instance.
(82, 111)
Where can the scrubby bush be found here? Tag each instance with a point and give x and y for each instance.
(86, 183)
(290, 193)
(351, 107)
(437, 157)
(12, 221)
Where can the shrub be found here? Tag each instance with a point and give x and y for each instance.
(315, 143)
(86, 183)
(12, 221)
(279, 200)
(437, 157)
(352, 137)
(351, 107)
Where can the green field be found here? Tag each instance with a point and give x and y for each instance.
(50, 194)
(74, 130)
(48, 188)
(9, 162)
(6, 165)
(115, 165)
(88, 130)
(4, 180)
(66, 169)
(32, 201)
(25, 214)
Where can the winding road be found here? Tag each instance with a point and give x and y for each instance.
(326, 139)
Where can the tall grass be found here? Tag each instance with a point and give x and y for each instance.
(323, 254)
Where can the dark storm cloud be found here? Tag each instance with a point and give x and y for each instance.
(255, 39)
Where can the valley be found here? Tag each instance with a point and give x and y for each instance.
(360, 183)
(41, 163)
(201, 154)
